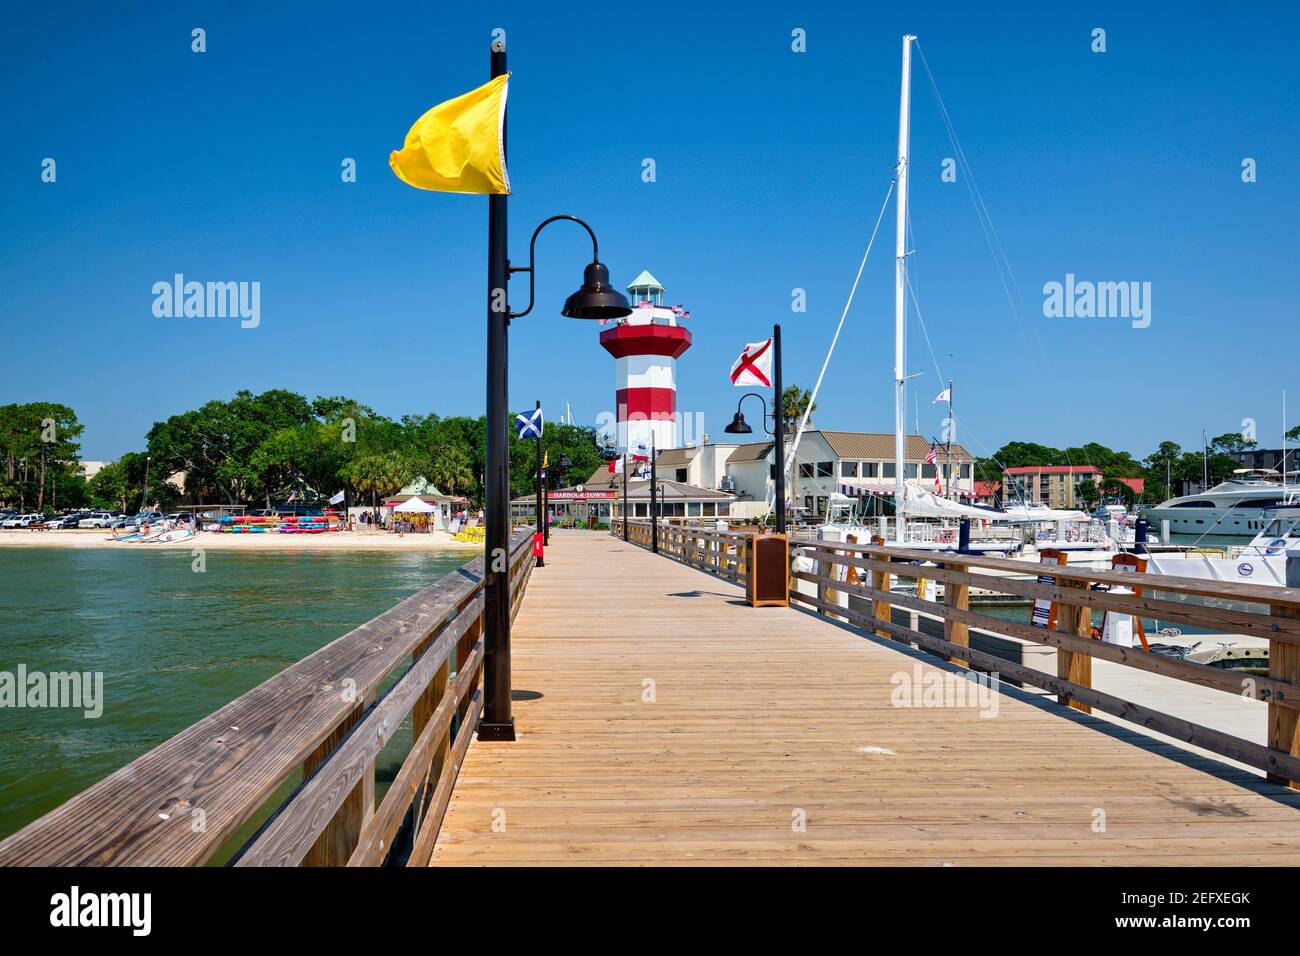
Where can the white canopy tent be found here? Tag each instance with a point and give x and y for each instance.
(416, 505)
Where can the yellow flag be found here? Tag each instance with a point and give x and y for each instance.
(457, 146)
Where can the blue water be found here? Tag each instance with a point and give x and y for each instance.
(173, 644)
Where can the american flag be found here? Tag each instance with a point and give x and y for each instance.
(931, 456)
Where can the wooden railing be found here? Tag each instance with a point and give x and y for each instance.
(721, 552)
(867, 572)
(1076, 594)
(327, 715)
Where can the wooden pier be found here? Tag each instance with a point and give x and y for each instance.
(770, 738)
(662, 720)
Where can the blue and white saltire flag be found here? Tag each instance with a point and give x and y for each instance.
(529, 424)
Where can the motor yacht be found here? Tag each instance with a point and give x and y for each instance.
(1233, 508)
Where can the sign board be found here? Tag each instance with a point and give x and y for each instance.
(1044, 612)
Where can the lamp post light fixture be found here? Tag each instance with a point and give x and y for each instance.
(738, 425)
(595, 299)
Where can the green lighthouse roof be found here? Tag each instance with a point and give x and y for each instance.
(645, 281)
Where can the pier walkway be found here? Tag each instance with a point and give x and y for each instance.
(664, 721)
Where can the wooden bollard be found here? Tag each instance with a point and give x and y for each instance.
(1284, 665)
(1071, 666)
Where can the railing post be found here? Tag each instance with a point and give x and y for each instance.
(881, 609)
(956, 596)
(1284, 665)
(339, 838)
(425, 705)
(1071, 666)
(465, 647)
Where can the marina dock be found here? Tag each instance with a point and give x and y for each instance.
(663, 720)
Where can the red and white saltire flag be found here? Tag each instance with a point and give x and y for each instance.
(616, 466)
(944, 396)
(931, 455)
(754, 367)
(640, 452)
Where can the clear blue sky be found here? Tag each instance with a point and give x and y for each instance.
(771, 167)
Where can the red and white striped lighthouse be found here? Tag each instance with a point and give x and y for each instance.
(645, 346)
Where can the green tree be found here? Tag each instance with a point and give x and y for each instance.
(38, 442)
(449, 468)
(110, 487)
(377, 475)
(795, 401)
(1088, 492)
(1230, 443)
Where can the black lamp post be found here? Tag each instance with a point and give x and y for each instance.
(625, 514)
(596, 299)
(541, 517)
(654, 497)
(564, 464)
(738, 426)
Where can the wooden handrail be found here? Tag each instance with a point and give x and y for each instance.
(1235, 590)
(181, 802)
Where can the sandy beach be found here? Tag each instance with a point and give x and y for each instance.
(212, 540)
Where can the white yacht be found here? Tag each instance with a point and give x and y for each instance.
(1235, 507)
(1263, 561)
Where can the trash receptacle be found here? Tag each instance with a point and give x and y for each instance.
(767, 570)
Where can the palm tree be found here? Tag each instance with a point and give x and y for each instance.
(377, 475)
(796, 401)
(449, 468)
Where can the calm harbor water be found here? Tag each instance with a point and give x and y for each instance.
(173, 645)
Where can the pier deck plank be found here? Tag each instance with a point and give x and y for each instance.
(762, 717)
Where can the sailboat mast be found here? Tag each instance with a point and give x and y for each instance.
(900, 280)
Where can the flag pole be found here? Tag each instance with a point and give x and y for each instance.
(778, 405)
(948, 448)
(497, 722)
(541, 518)
(625, 515)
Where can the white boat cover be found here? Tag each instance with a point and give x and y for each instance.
(924, 504)
(1025, 514)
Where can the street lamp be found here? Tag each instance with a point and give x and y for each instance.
(654, 497)
(564, 464)
(595, 299)
(739, 427)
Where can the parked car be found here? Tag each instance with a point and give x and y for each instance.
(70, 520)
(23, 521)
(152, 517)
(122, 521)
(97, 519)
